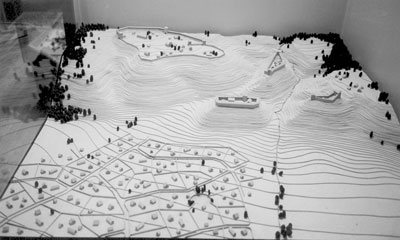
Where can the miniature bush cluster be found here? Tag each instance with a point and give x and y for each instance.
(51, 97)
(340, 57)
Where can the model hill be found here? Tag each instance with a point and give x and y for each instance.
(156, 157)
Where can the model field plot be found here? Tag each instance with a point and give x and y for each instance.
(156, 43)
(291, 153)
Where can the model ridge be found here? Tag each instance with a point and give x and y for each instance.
(160, 134)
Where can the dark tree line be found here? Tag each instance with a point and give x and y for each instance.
(340, 57)
(51, 97)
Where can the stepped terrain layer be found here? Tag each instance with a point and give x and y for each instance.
(292, 167)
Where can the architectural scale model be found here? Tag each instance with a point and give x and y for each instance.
(328, 99)
(137, 144)
(238, 102)
(276, 64)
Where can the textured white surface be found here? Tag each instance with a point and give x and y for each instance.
(338, 182)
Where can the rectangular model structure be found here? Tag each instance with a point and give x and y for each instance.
(238, 102)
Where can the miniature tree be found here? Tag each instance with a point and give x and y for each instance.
(109, 140)
(77, 64)
(117, 128)
(280, 173)
(246, 215)
(388, 115)
(68, 96)
(289, 230)
(89, 111)
(262, 170)
(316, 57)
(283, 228)
(281, 195)
(284, 234)
(273, 170)
(371, 134)
(36, 184)
(276, 200)
(202, 162)
(87, 81)
(91, 78)
(277, 235)
(282, 215)
(281, 189)
(84, 112)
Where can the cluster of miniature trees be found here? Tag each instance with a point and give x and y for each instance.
(215, 53)
(286, 231)
(339, 58)
(51, 97)
(130, 124)
(273, 170)
(373, 85)
(51, 101)
(383, 97)
(207, 33)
